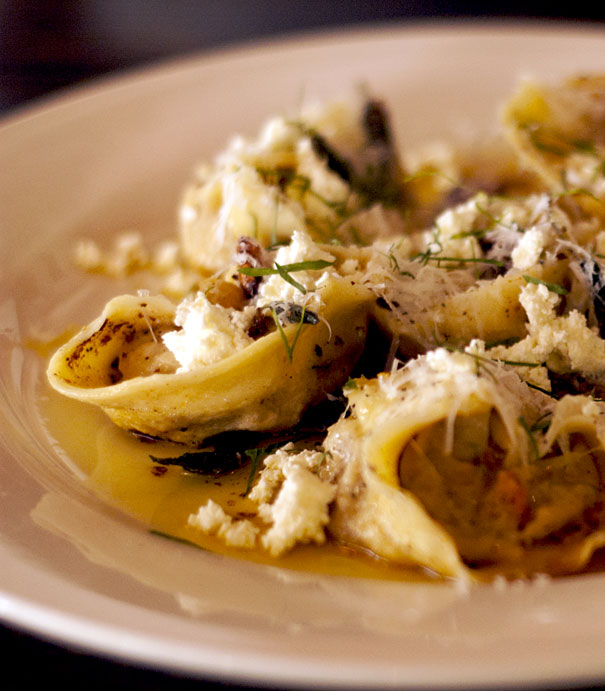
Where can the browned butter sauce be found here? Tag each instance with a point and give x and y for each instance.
(120, 470)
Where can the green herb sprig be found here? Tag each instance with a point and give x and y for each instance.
(284, 270)
(425, 257)
(394, 264)
(553, 287)
(289, 346)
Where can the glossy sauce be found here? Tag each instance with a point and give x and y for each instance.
(119, 468)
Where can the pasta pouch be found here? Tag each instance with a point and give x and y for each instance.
(434, 464)
(120, 362)
(557, 130)
(566, 523)
(332, 172)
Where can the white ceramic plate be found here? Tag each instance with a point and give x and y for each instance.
(116, 155)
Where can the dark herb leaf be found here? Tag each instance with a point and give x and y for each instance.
(215, 462)
(230, 451)
(335, 162)
(293, 313)
(596, 282)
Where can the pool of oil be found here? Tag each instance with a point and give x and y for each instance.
(120, 469)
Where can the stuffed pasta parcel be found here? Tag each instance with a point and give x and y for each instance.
(449, 312)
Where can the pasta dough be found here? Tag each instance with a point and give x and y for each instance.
(453, 306)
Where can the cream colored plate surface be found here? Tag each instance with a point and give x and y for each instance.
(114, 156)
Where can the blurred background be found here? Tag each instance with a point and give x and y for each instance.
(48, 45)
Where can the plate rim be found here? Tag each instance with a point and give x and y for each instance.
(103, 86)
(158, 68)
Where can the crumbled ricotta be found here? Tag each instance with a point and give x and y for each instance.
(212, 520)
(299, 513)
(208, 333)
(567, 336)
(292, 500)
(529, 248)
(539, 303)
(300, 249)
(127, 254)
(522, 228)
(272, 474)
(450, 236)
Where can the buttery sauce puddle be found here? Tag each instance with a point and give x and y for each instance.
(119, 469)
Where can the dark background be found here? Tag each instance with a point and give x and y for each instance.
(49, 45)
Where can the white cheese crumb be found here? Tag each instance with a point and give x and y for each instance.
(209, 518)
(88, 255)
(566, 338)
(208, 333)
(241, 533)
(212, 520)
(273, 472)
(301, 249)
(166, 256)
(300, 512)
(127, 254)
(523, 229)
(539, 303)
(529, 248)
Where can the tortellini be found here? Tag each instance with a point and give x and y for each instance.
(279, 359)
(558, 131)
(444, 464)
(453, 307)
(332, 172)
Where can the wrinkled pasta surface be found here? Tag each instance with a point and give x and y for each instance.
(450, 309)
